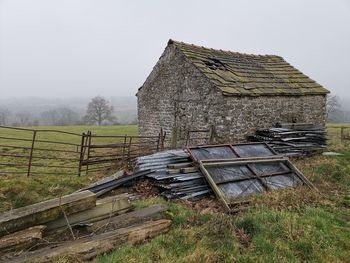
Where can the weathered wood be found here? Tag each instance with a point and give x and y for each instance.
(43, 212)
(173, 171)
(21, 239)
(154, 212)
(189, 170)
(174, 137)
(180, 165)
(104, 208)
(89, 247)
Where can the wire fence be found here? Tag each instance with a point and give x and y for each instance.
(39, 151)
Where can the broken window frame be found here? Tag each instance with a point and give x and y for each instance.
(227, 202)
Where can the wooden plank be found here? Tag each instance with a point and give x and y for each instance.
(21, 239)
(43, 212)
(180, 165)
(89, 247)
(189, 170)
(104, 208)
(154, 212)
(173, 171)
(213, 186)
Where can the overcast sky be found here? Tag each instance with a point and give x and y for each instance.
(72, 48)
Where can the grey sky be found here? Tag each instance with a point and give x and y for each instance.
(71, 48)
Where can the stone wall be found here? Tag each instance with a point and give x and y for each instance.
(176, 94)
(160, 97)
(236, 117)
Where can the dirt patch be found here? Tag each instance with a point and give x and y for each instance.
(206, 205)
(144, 188)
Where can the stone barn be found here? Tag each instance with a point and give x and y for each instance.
(227, 93)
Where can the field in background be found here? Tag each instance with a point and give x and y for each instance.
(285, 226)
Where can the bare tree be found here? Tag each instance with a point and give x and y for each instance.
(4, 115)
(98, 110)
(60, 117)
(24, 119)
(332, 105)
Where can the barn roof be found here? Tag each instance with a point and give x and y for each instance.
(242, 74)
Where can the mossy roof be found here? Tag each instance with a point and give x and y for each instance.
(249, 75)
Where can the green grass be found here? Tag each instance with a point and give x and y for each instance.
(287, 226)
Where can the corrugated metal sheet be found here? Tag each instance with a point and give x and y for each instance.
(178, 185)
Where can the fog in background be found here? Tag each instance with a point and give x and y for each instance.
(83, 48)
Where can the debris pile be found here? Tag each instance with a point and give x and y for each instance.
(295, 141)
(174, 173)
(77, 226)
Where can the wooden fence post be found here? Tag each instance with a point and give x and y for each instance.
(124, 145)
(88, 153)
(174, 138)
(81, 158)
(31, 154)
(159, 139)
(188, 135)
(163, 140)
(212, 134)
(129, 150)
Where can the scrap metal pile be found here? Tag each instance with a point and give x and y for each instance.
(294, 141)
(173, 172)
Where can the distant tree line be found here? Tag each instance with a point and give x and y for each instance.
(98, 112)
(334, 111)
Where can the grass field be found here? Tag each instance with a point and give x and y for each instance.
(286, 226)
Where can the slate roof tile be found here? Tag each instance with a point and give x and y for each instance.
(246, 74)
